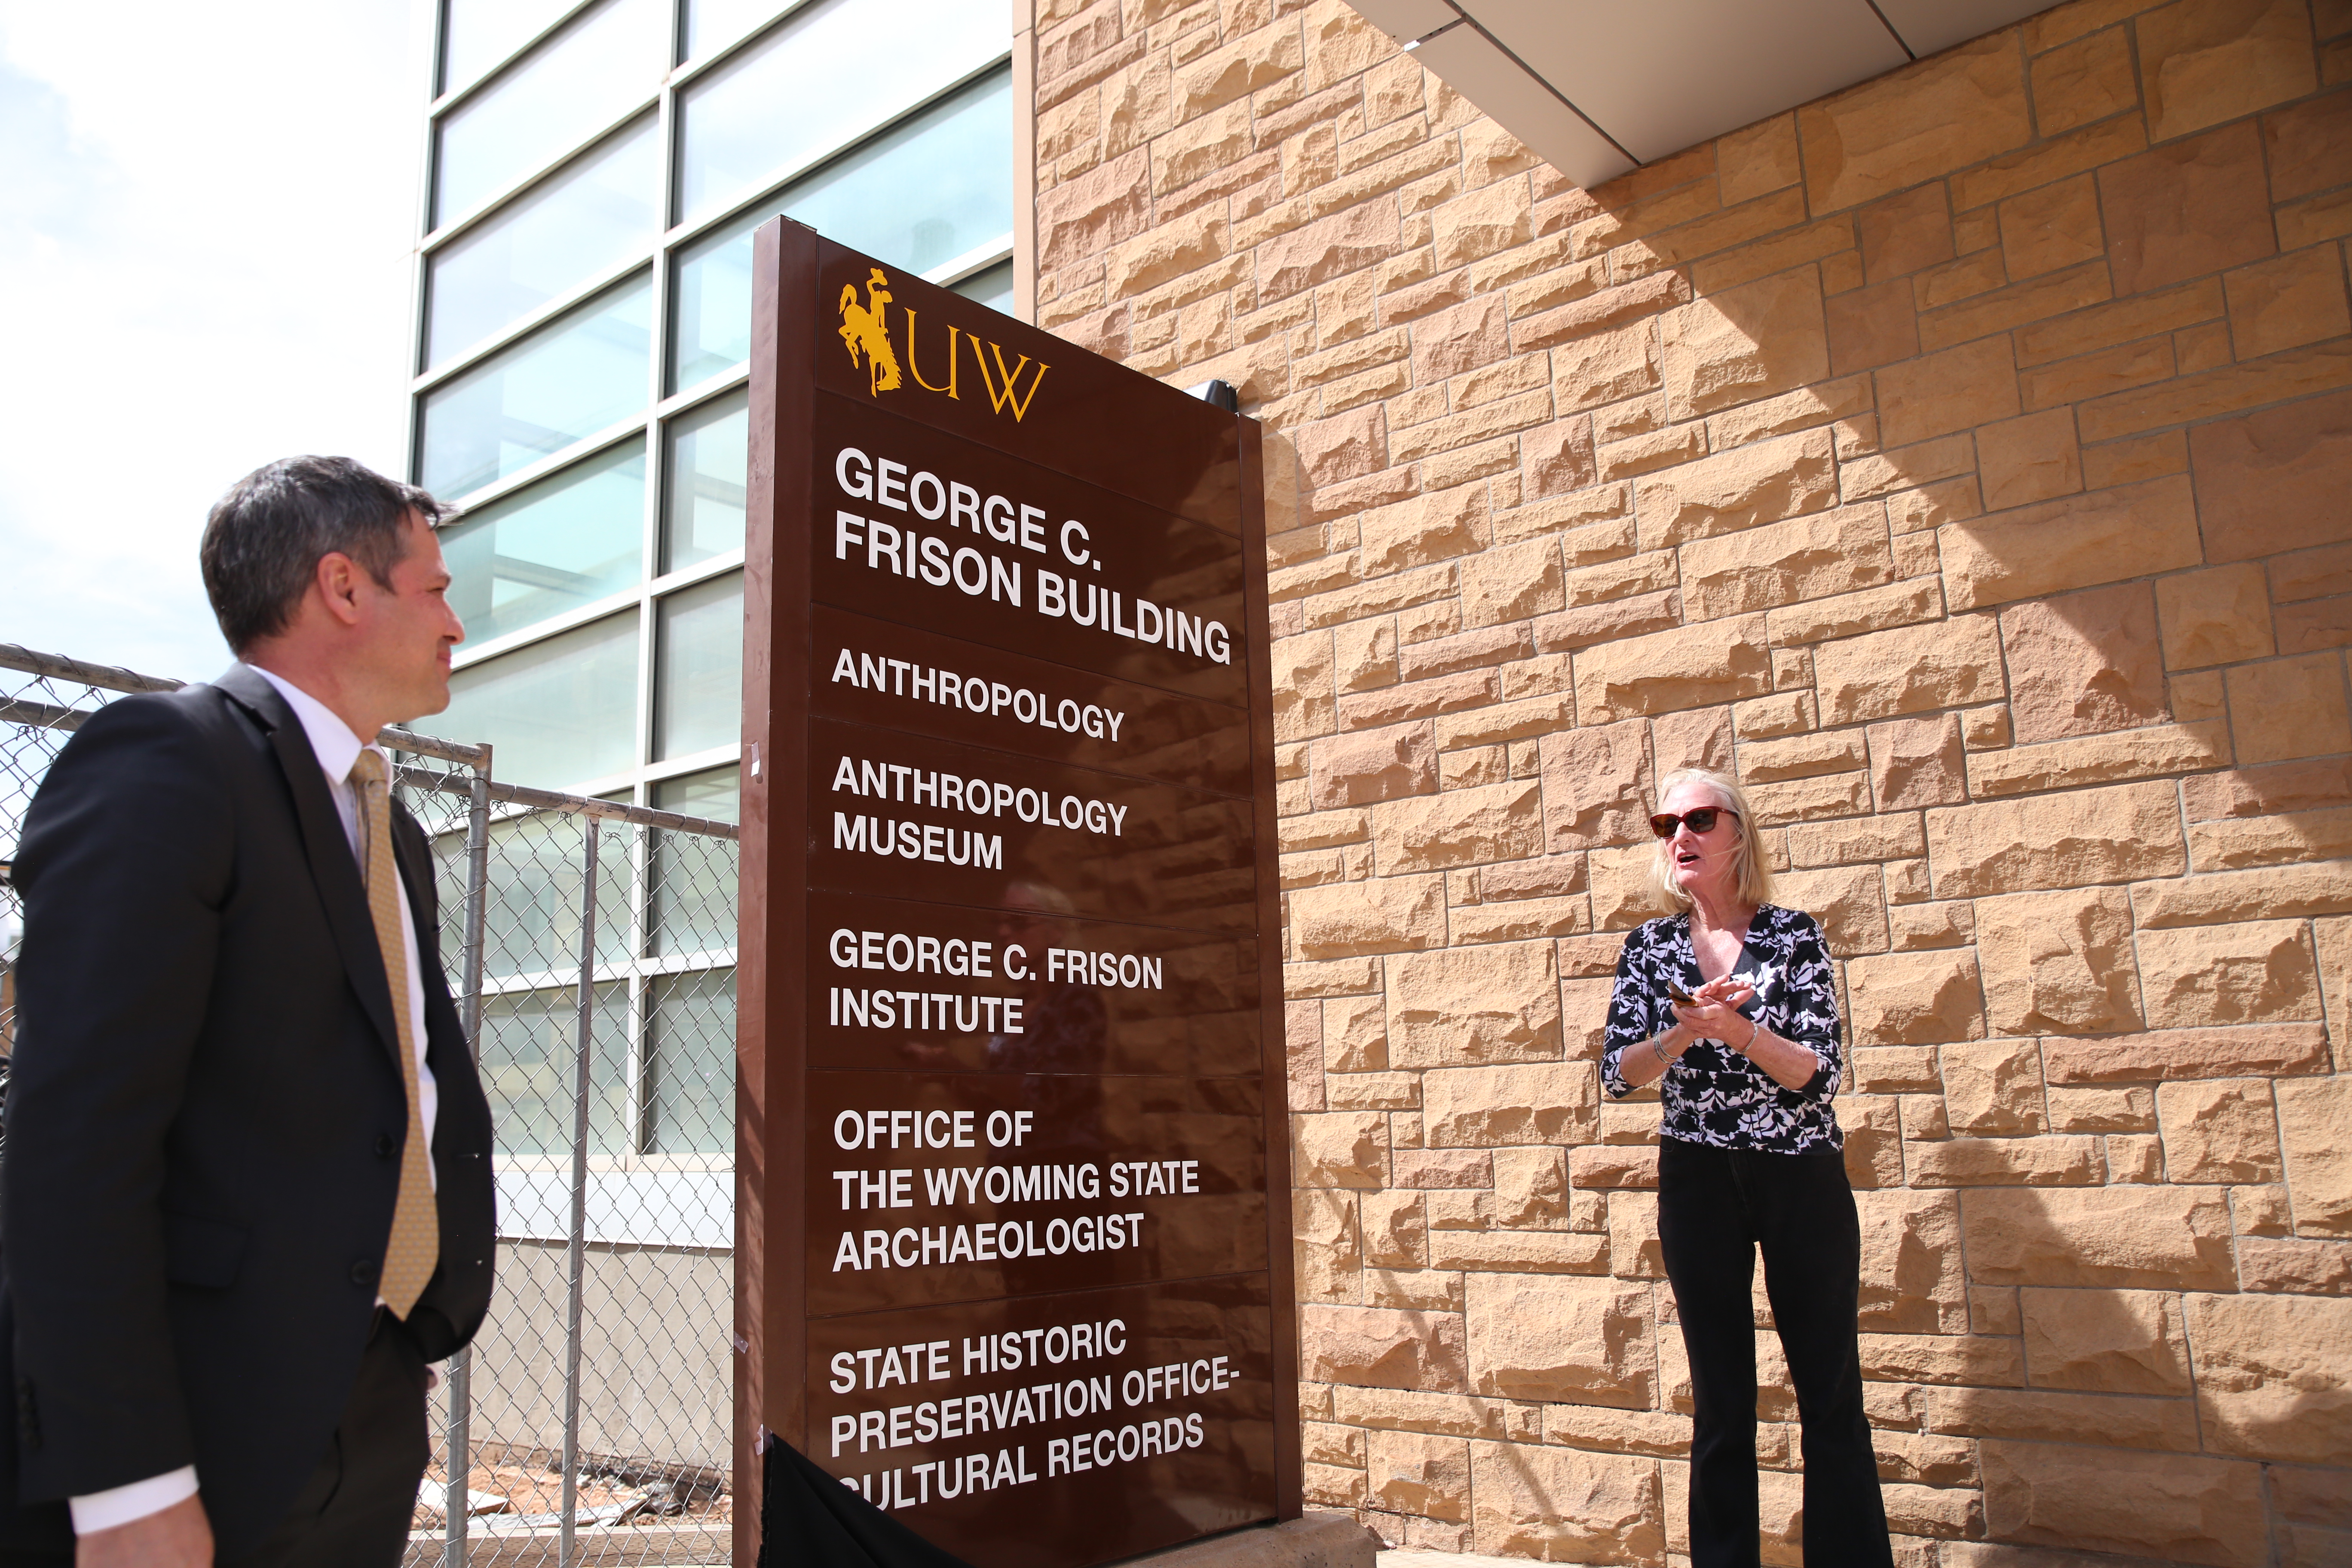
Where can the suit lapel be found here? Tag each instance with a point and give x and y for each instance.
(333, 870)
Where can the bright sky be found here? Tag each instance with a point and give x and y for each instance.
(205, 225)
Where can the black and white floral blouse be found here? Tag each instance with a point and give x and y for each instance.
(1713, 1094)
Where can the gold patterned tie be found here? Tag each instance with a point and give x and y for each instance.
(416, 1223)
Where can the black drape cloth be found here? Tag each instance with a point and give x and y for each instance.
(809, 1520)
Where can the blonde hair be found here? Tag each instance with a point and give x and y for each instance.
(1754, 884)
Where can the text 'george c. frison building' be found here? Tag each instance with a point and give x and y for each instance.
(1938, 416)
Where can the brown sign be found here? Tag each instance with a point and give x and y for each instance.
(1014, 1255)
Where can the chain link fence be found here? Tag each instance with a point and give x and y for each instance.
(592, 947)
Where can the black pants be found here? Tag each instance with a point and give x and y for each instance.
(354, 1511)
(1715, 1207)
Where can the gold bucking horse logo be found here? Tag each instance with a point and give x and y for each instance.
(863, 328)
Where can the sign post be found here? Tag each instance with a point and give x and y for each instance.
(1012, 1221)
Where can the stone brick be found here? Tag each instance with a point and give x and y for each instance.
(2180, 1054)
(1744, 343)
(1911, 1279)
(2050, 1161)
(2315, 1127)
(1085, 215)
(2125, 321)
(2289, 708)
(2082, 81)
(2288, 301)
(1596, 785)
(1518, 1252)
(2219, 616)
(1340, 1149)
(1562, 1504)
(1472, 334)
(2104, 1420)
(1430, 527)
(1324, 1245)
(2201, 976)
(2185, 209)
(2203, 63)
(1870, 327)
(1345, 447)
(2105, 536)
(1493, 1107)
(1909, 669)
(1412, 1473)
(1410, 1410)
(1993, 1087)
(1865, 143)
(2272, 1382)
(2093, 375)
(2271, 840)
(1783, 563)
(2209, 385)
(1482, 223)
(1166, 251)
(1907, 998)
(2018, 305)
(2178, 1507)
(1382, 1348)
(2307, 145)
(2136, 1237)
(1700, 738)
(2028, 458)
(2157, 750)
(1349, 239)
(2058, 961)
(1384, 914)
(2220, 1130)
(2129, 1109)
(2106, 1341)
(2294, 1267)
(1606, 367)
(1447, 1168)
(1917, 763)
(1499, 1002)
(2282, 893)
(1800, 756)
(1974, 384)
(2083, 663)
(1458, 828)
(1363, 766)
(1762, 482)
(1511, 583)
(1690, 666)
(1561, 1338)
(1594, 1169)
(1351, 1033)
(1941, 1359)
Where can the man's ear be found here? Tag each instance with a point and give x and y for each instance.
(337, 579)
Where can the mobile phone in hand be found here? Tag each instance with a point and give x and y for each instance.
(1680, 996)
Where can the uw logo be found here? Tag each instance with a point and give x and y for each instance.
(866, 333)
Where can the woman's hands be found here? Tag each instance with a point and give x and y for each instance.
(1717, 1016)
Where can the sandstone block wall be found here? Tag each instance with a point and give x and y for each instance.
(1966, 460)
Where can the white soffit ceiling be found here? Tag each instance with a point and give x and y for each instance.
(1597, 88)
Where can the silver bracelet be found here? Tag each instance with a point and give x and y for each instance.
(1659, 1051)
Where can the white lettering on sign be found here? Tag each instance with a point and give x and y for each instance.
(878, 1008)
(899, 954)
(950, 791)
(915, 841)
(913, 1247)
(939, 561)
(976, 694)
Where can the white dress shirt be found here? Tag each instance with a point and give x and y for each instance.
(333, 742)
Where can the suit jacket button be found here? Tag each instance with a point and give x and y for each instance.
(383, 1145)
(364, 1272)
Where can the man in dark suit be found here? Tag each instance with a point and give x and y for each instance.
(247, 1191)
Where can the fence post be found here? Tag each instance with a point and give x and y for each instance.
(579, 1241)
(456, 1514)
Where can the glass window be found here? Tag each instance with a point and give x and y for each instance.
(559, 711)
(531, 1055)
(693, 875)
(935, 189)
(699, 703)
(479, 34)
(565, 542)
(702, 510)
(594, 214)
(691, 1094)
(712, 23)
(828, 75)
(991, 287)
(570, 379)
(556, 98)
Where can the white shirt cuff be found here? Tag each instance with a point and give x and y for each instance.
(121, 1505)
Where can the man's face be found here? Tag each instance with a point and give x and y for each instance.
(410, 629)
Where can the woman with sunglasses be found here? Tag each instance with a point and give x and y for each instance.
(1731, 1008)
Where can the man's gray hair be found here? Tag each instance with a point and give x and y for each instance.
(263, 540)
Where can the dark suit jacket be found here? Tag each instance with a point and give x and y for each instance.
(205, 1117)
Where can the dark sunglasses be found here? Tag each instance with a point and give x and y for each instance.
(1701, 821)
